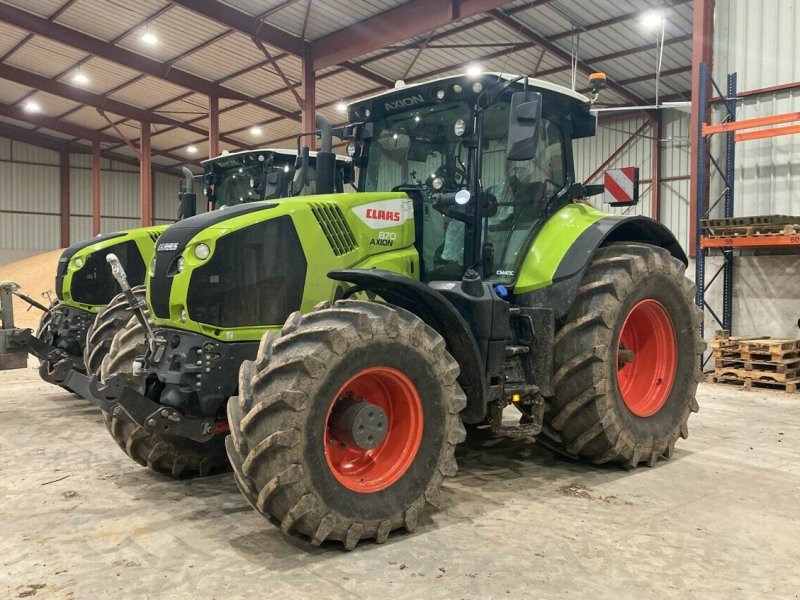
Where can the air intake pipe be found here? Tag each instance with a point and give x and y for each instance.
(326, 159)
(188, 199)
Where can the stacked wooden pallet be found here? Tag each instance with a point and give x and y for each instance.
(783, 225)
(757, 362)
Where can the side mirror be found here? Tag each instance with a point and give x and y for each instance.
(300, 172)
(524, 120)
(362, 131)
(273, 183)
(188, 199)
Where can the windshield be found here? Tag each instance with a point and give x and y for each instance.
(250, 177)
(422, 148)
(425, 148)
(413, 147)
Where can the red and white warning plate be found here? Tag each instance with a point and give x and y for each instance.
(621, 186)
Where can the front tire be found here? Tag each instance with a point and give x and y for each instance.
(46, 333)
(300, 429)
(174, 456)
(106, 324)
(627, 358)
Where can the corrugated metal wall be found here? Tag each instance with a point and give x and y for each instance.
(30, 189)
(757, 39)
(591, 153)
(29, 183)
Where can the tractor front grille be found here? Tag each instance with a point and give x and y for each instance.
(336, 229)
(254, 278)
(94, 284)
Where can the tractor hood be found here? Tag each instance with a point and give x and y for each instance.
(225, 272)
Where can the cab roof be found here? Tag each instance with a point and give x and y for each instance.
(532, 81)
(280, 151)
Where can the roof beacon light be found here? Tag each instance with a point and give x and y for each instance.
(597, 81)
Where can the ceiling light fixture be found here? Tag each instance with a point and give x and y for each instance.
(256, 130)
(149, 38)
(191, 149)
(341, 107)
(32, 106)
(80, 78)
(652, 19)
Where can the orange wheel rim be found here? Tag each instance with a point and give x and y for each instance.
(647, 358)
(373, 429)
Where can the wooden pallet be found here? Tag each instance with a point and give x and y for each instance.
(745, 221)
(787, 386)
(758, 375)
(736, 362)
(770, 346)
(753, 230)
(769, 356)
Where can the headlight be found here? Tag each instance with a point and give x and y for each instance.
(202, 251)
(181, 264)
(351, 149)
(459, 127)
(79, 262)
(437, 183)
(477, 87)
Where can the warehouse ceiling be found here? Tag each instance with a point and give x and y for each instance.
(77, 71)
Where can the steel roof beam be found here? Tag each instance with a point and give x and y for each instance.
(541, 41)
(613, 21)
(91, 45)
(58, 145)
(85, 97)
(389, 27)
(264, 32)
(72, 129)
(244, 23)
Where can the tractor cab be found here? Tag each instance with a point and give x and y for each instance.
(485, 159)
(235, 178)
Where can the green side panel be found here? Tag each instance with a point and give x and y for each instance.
(551, 245)
(145, 239)
(381, 235)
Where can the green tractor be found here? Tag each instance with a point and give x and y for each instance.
(67, 336)
(336, 345)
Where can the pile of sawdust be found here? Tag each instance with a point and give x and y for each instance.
(36, 275)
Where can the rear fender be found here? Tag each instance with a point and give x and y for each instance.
(570, 271)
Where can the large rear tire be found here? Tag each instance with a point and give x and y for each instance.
(174, 456)
(300, 440)
(106, 324)
(627, 358)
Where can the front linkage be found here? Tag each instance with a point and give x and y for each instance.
(117, 398)
(17, 342)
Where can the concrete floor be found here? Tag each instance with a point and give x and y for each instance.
(721, 520)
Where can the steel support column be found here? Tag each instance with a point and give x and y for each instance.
(95, 188)
(63, 166)
(145, 176)
(730, 177)
(655, 185)
(702, 52)
(309, 96)
(213, 126)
